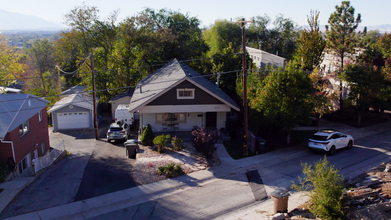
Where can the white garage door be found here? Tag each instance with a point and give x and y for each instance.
(70, 120)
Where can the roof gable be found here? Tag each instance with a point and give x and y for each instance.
(82, 100)
(169, 76)
(17, 108)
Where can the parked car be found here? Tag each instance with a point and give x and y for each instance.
(329, 141)
(118, 131)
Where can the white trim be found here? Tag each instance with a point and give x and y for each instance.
(184, 90)
(184, 108)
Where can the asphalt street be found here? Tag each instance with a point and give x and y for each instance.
(108, 170)
(221, 197)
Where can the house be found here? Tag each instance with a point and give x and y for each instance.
(23, 130)
(262, 58)
(175, 98)
(74, 110)
(331, 62)
(122, 98)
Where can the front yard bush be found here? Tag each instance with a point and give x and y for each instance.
(147, 136)
(171, 170)
(325, 187)
(177, 143)
(161, 142)
(203, 140)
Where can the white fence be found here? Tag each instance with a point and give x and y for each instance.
(47, 160)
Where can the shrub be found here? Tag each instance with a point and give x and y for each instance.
(177, 143)
(325, 187)
(171, 170)
(161, 141)
(147, 136)
(203, 140)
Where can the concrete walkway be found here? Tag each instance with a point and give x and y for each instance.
(120, 200)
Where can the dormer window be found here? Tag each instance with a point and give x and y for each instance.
(185, 93)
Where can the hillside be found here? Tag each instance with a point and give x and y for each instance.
(16, 21)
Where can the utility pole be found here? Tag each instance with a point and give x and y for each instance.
(245, 106)
(94, 97)
(58, 80)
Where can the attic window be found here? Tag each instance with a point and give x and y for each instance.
(185, 93)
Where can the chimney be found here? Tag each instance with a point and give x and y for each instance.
(141, 91)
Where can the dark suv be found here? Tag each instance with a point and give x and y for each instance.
(118, 131)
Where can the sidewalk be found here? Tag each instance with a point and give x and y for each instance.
(119, 200)
(12, 188)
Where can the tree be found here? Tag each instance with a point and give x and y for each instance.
(11, 66)
(311, 44)
(366, 84)
(323, 95)
(42, 63)
(283, 96)
(222, 34)
(280, 40)
(340, 34)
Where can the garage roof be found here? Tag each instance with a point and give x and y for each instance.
(80, 99)
(16, 109)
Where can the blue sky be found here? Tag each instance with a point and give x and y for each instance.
(374, 12)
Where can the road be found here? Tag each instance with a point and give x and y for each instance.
(277, 169)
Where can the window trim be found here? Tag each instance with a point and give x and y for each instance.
(21, 128)
(185, 97)
(40, 116)
(43, 147)
(176, 115)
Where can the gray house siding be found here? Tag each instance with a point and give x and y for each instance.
(200, 96)
(67, 109)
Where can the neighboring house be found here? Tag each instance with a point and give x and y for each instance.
(262, 58)
(122, 98)
(23, 130)
(74, 110)
(331, 62)
(175, 98)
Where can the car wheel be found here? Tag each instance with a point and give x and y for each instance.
(332, 151)
(108, 140)
(350, 145)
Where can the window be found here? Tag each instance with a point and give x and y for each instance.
(185, 93)
(171, 118)
(43, 148)
(40, 115)
(24, 128)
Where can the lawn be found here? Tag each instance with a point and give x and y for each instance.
(275, 142)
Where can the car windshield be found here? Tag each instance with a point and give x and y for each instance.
(319, 137)
(116, 129)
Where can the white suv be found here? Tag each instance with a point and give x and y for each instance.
(329, 141)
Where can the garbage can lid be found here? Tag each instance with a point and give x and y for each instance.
(131, 142)
(280, 193)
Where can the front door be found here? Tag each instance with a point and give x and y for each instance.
(211, 119)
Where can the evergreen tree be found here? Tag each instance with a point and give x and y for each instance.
(340, 34)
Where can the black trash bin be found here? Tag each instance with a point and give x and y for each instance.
(261, 145)
(131, 148)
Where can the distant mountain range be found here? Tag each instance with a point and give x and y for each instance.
(16, 21)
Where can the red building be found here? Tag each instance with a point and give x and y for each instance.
(24, 132)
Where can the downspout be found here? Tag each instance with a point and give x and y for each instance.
(13, 151)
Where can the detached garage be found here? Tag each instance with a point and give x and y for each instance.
(73, 111)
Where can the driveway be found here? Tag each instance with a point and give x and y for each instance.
(94, 167)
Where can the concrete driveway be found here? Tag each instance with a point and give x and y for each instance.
(94, 167)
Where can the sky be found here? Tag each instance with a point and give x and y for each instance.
(374, 12)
